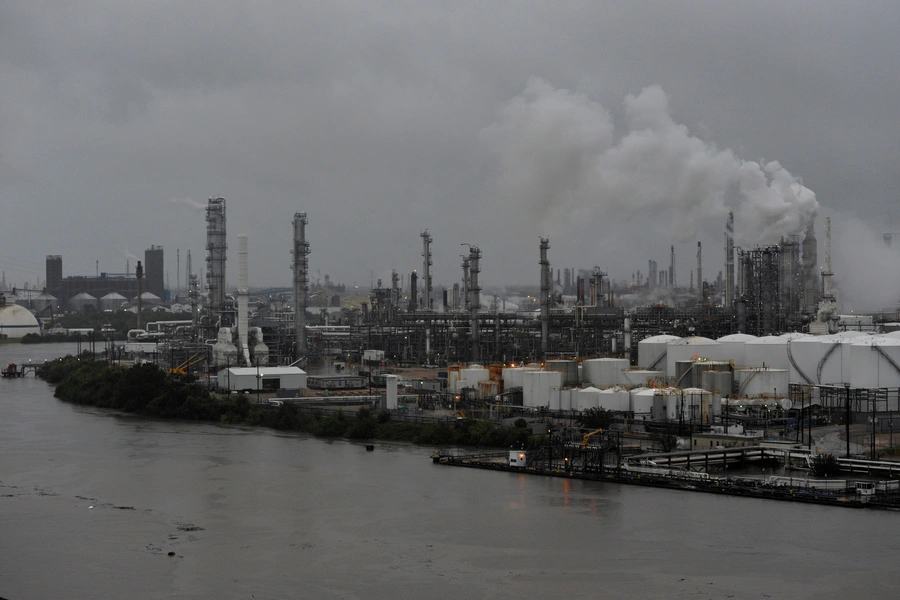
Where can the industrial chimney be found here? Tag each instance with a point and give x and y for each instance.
(301, 283)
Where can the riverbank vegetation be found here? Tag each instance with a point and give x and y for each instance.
(146, 390)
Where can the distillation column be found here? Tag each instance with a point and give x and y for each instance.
(475, 299)
(545, 297)
(215, 258)
(426, 253)
(243, 321)
(729, 260)
(301, 283)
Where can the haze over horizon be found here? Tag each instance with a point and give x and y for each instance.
(614, 129)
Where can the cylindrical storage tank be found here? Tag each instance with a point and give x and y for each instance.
(587, 398)
(515, 376)
(472, 376)
(761, 382)
(528, 398)
(615, 398)
(872, 357)
(112, 301)
(640, 377)
(718, 382)
(652, 351)
(45, 301)
(489, 388)
(542, 388)
(697, 405)
(604, 372)
(837, 366)
(682, 373)
(82, 302)
(768, 351)
(641, 402)
(453, 379)
(569, 369)
(804, 357)
(565, 399)
(733, 347)
(690, 348)
(665, 405)
(704, 366)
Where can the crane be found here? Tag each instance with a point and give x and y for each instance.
(182, 369)
(587, 437)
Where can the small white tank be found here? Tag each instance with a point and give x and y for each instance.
(587, 398)
(615, 398)
(690, 348)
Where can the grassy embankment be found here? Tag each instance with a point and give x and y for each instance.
(146, 390)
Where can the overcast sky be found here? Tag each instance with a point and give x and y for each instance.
(613, 128)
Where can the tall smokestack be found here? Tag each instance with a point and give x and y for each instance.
(699, 273)
(139, 273)
(242, 297)
(829, 290)
(301, 283)
(545, 297)
(729, 260)
(426, 263)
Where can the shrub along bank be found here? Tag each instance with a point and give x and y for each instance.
(148, 391)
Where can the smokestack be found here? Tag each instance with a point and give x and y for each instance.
(545, 297)
(301, 283)
(426, 253)
(139, 273)
(242, 297)
(699, 273)
(729, 260)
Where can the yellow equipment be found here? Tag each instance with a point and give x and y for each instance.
(182, 369)
(587, 437)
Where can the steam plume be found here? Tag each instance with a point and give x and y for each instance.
(559, 152)
(188, 202)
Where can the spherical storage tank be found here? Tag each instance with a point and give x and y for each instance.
(690, 348)
(604, 372)
(16, 321)
(733, 347)
(872, 357)
(652, 351)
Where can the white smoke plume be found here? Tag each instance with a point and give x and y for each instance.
(189, 203)
(559, 152)
(866, 270)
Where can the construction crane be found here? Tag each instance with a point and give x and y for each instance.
(587, 437)
(182, 369)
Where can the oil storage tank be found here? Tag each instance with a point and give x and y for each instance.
(604, 372)
(615, 398)
(690, 348)
(761, 382)
(587, 398)
(568, 368)
(767, 351)
(875, 362)
(541, 389)
(733, 347)
(641, 377)
(641, 402)
(652, 351)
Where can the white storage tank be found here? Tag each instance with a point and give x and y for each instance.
(615, 398)
(542, 389)
(652, 351)
(767, 351)
(697, 405)
(733, 347)
(690, 348)
(761, 382)
(641, 377)
(567, 399)
(805, 355)
(82, 302)
(515, 376)
(665, 405)
(717, 382)
(587, 398)
(472, 376)
(641, 402)
(569, 369)
(604, 372)
(872, 357)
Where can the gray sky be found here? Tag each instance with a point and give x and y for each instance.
(614, 128)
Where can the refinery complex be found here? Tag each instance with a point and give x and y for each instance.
(762, 337)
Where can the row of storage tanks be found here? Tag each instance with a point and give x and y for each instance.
(687, 377)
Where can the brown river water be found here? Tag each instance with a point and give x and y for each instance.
(93, 502)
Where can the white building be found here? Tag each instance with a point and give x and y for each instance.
(262, 378)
